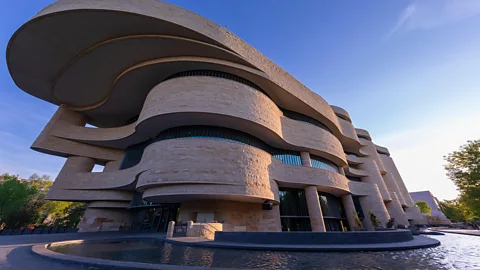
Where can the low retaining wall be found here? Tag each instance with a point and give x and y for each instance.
(315, 238)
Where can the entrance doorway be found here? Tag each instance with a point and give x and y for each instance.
(156, 219)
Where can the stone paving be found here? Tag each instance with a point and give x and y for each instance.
(458, 231)
(15, 251)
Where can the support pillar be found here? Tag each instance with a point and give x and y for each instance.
(313, 202)
(374, 203)
(396, 211)
(112, 166)
(306, 161)
(170, 229)
(314, 209)
(350, 210)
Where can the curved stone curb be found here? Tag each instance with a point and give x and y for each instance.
(416, 243)
(41, 250)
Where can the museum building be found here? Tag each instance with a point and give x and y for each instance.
(193, 124)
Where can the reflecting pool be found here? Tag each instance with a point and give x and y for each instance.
(456, 252)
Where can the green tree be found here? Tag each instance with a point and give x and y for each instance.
(463, 168)
(14, 196)
(71, 215)
(22, 203)
(454, 210)
(424, 207)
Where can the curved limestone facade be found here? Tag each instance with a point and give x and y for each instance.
(193, 124)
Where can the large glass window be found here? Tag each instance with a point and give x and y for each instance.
(293, 158)
(293, 210)
(133, 155)
(358, 207)
(322, 163)
(333, 212)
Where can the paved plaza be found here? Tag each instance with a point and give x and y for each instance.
(466, 232)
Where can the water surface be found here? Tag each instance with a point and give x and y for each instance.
(455, 252)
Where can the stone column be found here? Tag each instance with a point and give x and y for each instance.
(396, 211)
(374, 203)
(313, 202)
(170, 229)
(314, 209)
(341, 170)
(306, 161)
(112, 166)
(350, 210)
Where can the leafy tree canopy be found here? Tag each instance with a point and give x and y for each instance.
(463, 168)
(455, 211)
(14, 195)
(424, 207)
(22, 203)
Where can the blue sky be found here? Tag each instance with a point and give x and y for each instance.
(407, 71)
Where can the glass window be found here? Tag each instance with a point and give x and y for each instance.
(353, 178)
(292, 224)
(358, 207)
(133, 155)
(293, 202)
(293, 210)
(322, 163)
(293, 159)
(333, 212)
(335, 225)
(331, 205)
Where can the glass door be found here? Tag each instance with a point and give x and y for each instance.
(163, 219)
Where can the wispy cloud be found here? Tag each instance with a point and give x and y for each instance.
(406, 14)
(423, 15)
